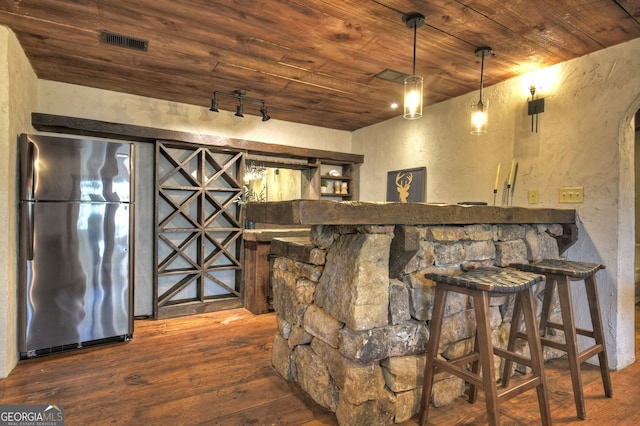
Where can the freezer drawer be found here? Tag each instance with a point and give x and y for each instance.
(65, 169)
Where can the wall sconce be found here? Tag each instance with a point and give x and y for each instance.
(413, 84)
(535, 107)
(240, 95)
(480, 109)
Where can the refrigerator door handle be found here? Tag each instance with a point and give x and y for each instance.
(30, 172)
(29, 230)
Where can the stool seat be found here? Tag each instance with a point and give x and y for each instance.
(477, 367)
(492, 280)
(559, 273)
(571, 268)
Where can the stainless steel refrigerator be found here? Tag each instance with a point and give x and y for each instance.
(76, 222)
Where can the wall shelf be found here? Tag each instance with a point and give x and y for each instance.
(348, 173)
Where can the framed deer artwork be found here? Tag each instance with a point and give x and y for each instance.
(407, 186)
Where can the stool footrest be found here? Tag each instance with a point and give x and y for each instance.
(464, 374)
(513, 356)
(545, 341)
(465, 359)
(503, 394)
(555, 325)
(588, 353)
(517, 389)
(561, 346)
(587, 333)
(581, 331)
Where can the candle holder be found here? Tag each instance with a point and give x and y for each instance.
(495, 193)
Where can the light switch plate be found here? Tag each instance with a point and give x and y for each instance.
(532, 196)
(573, 194)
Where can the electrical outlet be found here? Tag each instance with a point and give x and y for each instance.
(574, 194)
(533, 196)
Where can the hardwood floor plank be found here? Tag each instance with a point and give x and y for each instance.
(216, 369)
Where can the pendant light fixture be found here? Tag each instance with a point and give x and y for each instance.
(480, 109)
(413, 84)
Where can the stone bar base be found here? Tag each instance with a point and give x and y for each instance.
(353, 310)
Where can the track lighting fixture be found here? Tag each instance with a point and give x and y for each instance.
(240, 95)
(413, 84)
(480, 109)
(263, 111)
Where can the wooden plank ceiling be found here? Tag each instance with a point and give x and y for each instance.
(312, 61)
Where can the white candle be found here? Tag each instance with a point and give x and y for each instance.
(513, 167)
(495, 187)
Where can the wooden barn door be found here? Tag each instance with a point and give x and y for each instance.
(198, 229)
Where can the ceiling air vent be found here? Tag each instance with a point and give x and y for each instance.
(121, 40)
(391, 75)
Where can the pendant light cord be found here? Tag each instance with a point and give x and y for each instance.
(481, 77)
(485, 50)
(415, 32)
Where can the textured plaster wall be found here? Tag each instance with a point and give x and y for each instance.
(123, 108)
(585, 138)
(17, 95)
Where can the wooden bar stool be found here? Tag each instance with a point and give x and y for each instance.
(480, 285)
(559, 273)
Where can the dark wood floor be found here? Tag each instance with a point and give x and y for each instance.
(216, 369)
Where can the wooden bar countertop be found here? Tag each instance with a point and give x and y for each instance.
(329, 212)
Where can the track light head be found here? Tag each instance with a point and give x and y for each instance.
(239, 109)
(214, 103)
(263, 111)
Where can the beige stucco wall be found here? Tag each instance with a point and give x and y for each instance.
(17, 95)
(584, 139)
(137, 110)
